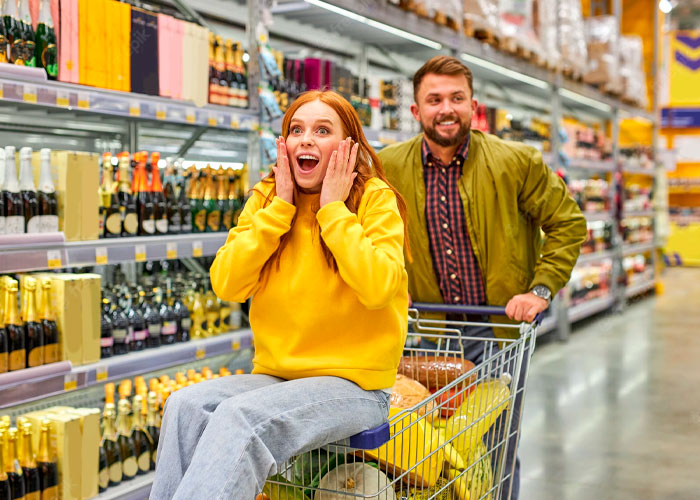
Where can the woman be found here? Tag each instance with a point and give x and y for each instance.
(319, 248)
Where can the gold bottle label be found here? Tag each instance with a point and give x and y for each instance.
(103, 478)
(131, 223)
(3, 362)
(115, 472)
(153, 456)
(36, 357)
(145, 461)
(130, 467)
(18, 359)
(212, 320)
(200, 220)
(228, 219)
(214, 220)
(50, 493)
(34, 495)
(114, 223)
(50, 353)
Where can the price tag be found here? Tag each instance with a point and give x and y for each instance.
(235, 345)
(102, 373)
(2, 91)
(135, 109)
(53, 258)
(83, 100)
(140, 253)
(62, 98)
(235, 124)
(29, 94)
(200, 353)
(196, 248)
(101, 255)
(213, 122)
(161, 113)
(70, 382)
(190, 117)
(171, 250)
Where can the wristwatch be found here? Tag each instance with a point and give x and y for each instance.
(542, 292)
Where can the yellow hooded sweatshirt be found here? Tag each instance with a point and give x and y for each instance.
(307, 319)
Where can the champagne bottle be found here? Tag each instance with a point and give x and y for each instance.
(14, 328)
(111, 446)
(4, 360)
(47, 465)
(212, 311)
(213, 77)
(30, 202)
(184, 180)
(231, 199)
(5, 487)
(220, 66)
(225, 311)
(46, 52)
(173, 208)
(125, 440)
(14, 33)
(14, 208)
(241, 77)
(110, 202)
(29, 45)
(33, 329)
(160, 211)
(137, 326)
(153, 424)
(13, 468)
(127, 200)
(48, 204)
(213, 215)
(233, 90)
(106, 338)
(222, 198)
(199, 321)
(103, 192)
(48, 323)
(142, 439)
(30, 471)
(169, 320)
(144, 198)
(153, 323)
(199, 212)
(184, 322)
(120, 329)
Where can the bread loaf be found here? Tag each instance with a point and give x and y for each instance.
(434, 372)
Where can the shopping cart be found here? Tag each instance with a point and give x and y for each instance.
(452, 445)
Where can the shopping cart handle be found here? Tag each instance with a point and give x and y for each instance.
(459, 309)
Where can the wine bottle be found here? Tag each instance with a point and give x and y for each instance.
(14, 208)
(14, 328)
(160, 211)
(199, 320)
(111, 447)
(127, 199)
(120, 329)
(30, 202)
(153, 323)
(184, 322)
(169, 320)
(14, 33)
(103, 192)
(222, 197)
(144, 198)
(106, 338)
(231, 201)
(48, 204)
(185, 180)
(212, 311)
(142, 439)
(199, 212)
(220, 65)
(241, 77)
(137, 326)
(5, 487)
(103, 470)
(12, 466)
(47, 464)
(30, 471)
(232, 99)
(173, 208)
(153, 424)
(211, 206)
(125, 441)
(29, 45)
(48, 322)
(46, 52)
(33, 329)
(213, 77)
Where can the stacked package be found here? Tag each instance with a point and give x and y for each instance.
(632, 74)
(517, 24)
(482, 15)
(603, 38)
(547, 32)
(573, 48)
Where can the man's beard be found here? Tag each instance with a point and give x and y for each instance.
(443, 141)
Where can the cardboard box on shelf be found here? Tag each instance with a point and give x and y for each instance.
(68, 306)
(90, 284)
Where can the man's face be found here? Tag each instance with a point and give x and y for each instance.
(444, 107)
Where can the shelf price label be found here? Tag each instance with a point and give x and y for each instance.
(191, 117)
(197, 248)
(235, 123)
(140, 253)
(29, 94)
(213, 121)
(200, 353)
(101, 255)
(101, 373)
(83, 100)
(70, 382)
(171, 250)
(235, 345)
(2, 91)
(62, 98)
(135, 108)
(161, 112)
(53, 258)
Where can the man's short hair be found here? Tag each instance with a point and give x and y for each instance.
(442, 65)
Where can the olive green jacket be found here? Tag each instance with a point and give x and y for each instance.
(508, 195)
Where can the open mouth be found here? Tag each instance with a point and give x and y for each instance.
(307, 162)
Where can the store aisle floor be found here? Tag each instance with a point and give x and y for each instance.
(615, 412)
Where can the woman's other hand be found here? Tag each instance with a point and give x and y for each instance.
(284, 184)
(340, 174)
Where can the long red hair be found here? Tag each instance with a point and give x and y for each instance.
(368, 166)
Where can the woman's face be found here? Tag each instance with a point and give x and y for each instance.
(315, 131)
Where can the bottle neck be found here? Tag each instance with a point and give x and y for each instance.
(47, 312)
(11, 9)
(26, 175)
(45, 178)
(45, 13)
(156, 184)
(123, 424)
(11, 313)
(109, 430)
(30, 313)
(44, 455)
(10, 183)
(28, 459)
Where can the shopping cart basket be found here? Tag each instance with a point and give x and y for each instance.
(451, 445)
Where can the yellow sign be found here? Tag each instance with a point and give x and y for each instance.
(171, 251)
(29, 94)
(196, 248)
(140, 253)
(70, 382)
(161, 114)
(190, 118)
(54, 259)
(235, 345)
(135, 110)
(213, 121)
(102, 374)
(684, 68)
(200, 353)
(101, 255)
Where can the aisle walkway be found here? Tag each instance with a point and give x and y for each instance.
(614, 414)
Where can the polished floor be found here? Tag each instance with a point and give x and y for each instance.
(614, 413)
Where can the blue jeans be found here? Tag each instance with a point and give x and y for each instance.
(222, 439)
(477, 351)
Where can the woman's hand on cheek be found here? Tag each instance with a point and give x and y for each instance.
(284, 185)
(340, 174)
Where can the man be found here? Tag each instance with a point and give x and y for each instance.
(476, 205)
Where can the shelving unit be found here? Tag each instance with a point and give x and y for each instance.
(638, 248)
(639, 288)
(138, 488)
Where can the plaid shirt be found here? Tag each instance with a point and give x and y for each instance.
(456, 267)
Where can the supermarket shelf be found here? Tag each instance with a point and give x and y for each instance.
(638, 248)
(386, 137)
(589, 308)
(82, 99)
(593, 93)
(591, 165)
(595, 257)
(108, 251)
(639, 288)
(638, 213)
(120, 367)
(598, 216)
(548, 325)
(638, 171)
(138, 488)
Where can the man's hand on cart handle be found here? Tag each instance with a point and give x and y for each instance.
(525, 307)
